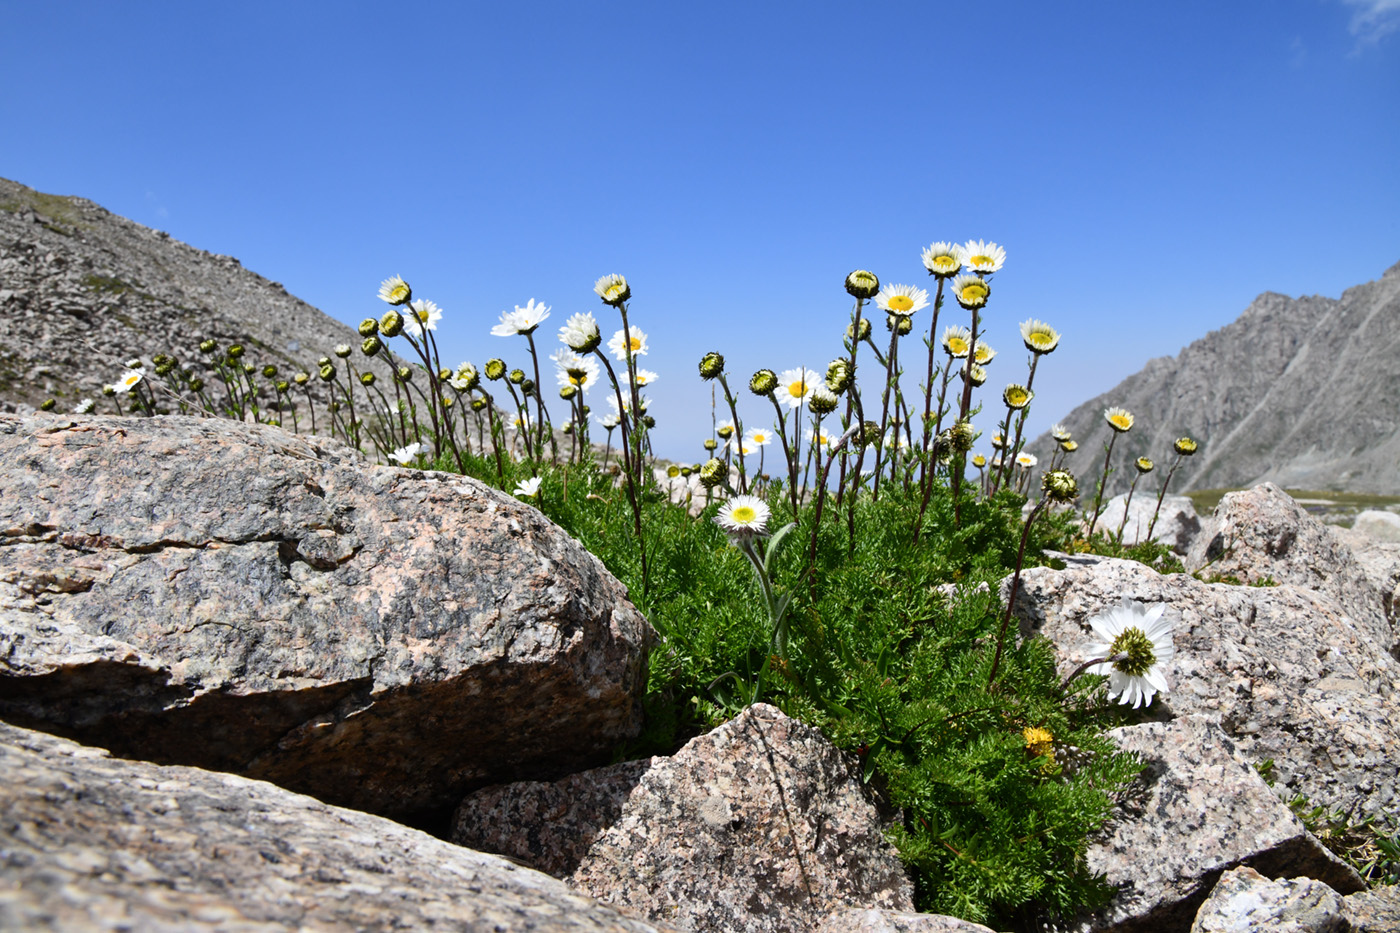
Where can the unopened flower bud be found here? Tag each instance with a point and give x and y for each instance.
(870, 432)
(711, 444)
(712, 473)
(342, 350)
(327, 373)
(48, 405)
(208, 346)
(725, 431)
(196, 384)
(371, 345)
(864, 329)
(517, 376)
(495, 369)
(673, 471)
(838, 376)
(235, 351)
(369, 327)
(1144, 464)
(366, 379)
(1184, 446)
(1059, 485)
(899, 323)
(862, 284)
(283, 387)
(823, 401)
(249, 369)
(764, 382)
(478, 403)
(711, 366)
(391, 324)
(269, 371)
(567, 392)
(404, 374)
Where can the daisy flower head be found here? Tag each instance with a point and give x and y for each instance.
(758, 437)
(521, 320)
(395, 291)
(983, 354)
(957, 341)
(1119, 419)
(1069, 445)
(823, 400)
(711, 366)
(528, 489)
(744, 517)
(1059, 432)
(83, 407)
(642, 402)
(971, 291)
(404, 455)
(1016, 396)
(613, 289)
(422, 315)
(571, 369)
(1144, 464)
(129, 380)
(1039, 337)
(824, 438)
(1141, 640)
(901, 300)
(465, 378)
(609, 421)
(978, 374)
(1025, 460)
(862, 284)
(645, 377)
(982, 257)
(580, 333)
(637, 339)
(725, 428)
(943, 259)
(795, 386)
(1184, 446)
(979, 461)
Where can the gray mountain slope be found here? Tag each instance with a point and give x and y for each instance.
(82, 290)
(1299, 391)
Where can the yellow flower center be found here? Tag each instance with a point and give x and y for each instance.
(957, 346)
(944, 262)
(636, 344)
(759, 437)
(131, 380)
(901, 303)
(744, 514)
(612, 292)
(1040, 340)
(399, 294)
(981, 261)
(1122, 422)
(797, 389)
(975, 291)
(422, 316)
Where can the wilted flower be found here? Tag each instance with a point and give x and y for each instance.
(743, 516)
(1119, 419)
(638, 341)
(404, 455)
(901, 300)
(1039, 337)
(943, 259)
(971, 291)
(395, 291)
(862, 284)
(528, 489)
(983, 257)
(1144, 636)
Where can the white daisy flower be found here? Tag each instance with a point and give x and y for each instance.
(983, 257)
(404, 455)
(957, 341)
(128, 382)
(743, 516)
(1119, 419)
(1145, 637)
(824, 438)
(645, 377)
(1026, 460)
(521, 320)
(613, 289)
(1059, 432)
(758, 437)
(395, 291)
(422, 315)
(971, 291)
(528, 489)
(1039, 337)
(639, 344)
(795, 386)
(902, 300)
(580, 332)
(642, 401)
(83, 407)
(943, 259)
(572, 369)
(609, 421)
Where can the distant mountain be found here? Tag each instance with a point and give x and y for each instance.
(82, 290)
(1301, 391)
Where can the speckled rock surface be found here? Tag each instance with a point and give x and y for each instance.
(1245, 901)
(761, 826)
(89, 842)
(240, 598)
(1373, 911)
(1378, 524)
(856, 920)
(1177, 524)
(1194, 812)
(1261, 534)
(1287, 673)
(1380, 561)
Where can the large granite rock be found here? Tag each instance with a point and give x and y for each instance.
(761, 825)
(1289, 675)
(239, 598)
(1373, 911)
(1177, 523)
(1194, 812)
(855, 920)
(93, 843)
(1379, 525)
(1244, 901)
(1380, 561)
(1261, 535)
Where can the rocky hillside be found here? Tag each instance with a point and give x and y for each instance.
(1297, 391)
(83, 290)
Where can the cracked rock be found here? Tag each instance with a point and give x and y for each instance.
(237, 597)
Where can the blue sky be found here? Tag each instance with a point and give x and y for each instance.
(1149, 167)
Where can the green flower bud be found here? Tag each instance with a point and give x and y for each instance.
(961, 436)
(478, 403)
(899, 323)
(1184, 446)
(870, 432)
(369, 327)
(208, 346)
(862, 284)
(764, 382)
(567, 392)
(391, 324)
(404, 374)
(235, 351)
(371, 345)
(568, 427)
(165, 367)
(342, 350)
(249, 369)
(838, 376)
(323, 361)
(196, 384)
(711, 444)
(48, 405)
(447, 400)
(283, 387)
(712, 473)
(823, 401)
(517, 376)
(1059, 486)
(1143, 464)
(673, 471)
(649, 421)
(327, 373)
(444, 375)
(495, 369)
(109, 390)
(269, 371)
(711, 366)
(366, 379)
(864, 329)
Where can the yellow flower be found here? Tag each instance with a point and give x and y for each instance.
(971, 291)
(901, 300)
(943, 259)
(1039, 337)
(983, 257)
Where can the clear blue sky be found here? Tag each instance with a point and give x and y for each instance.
(1149, 167)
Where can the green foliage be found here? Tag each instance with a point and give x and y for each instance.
(890, 662)
(1152, 553)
